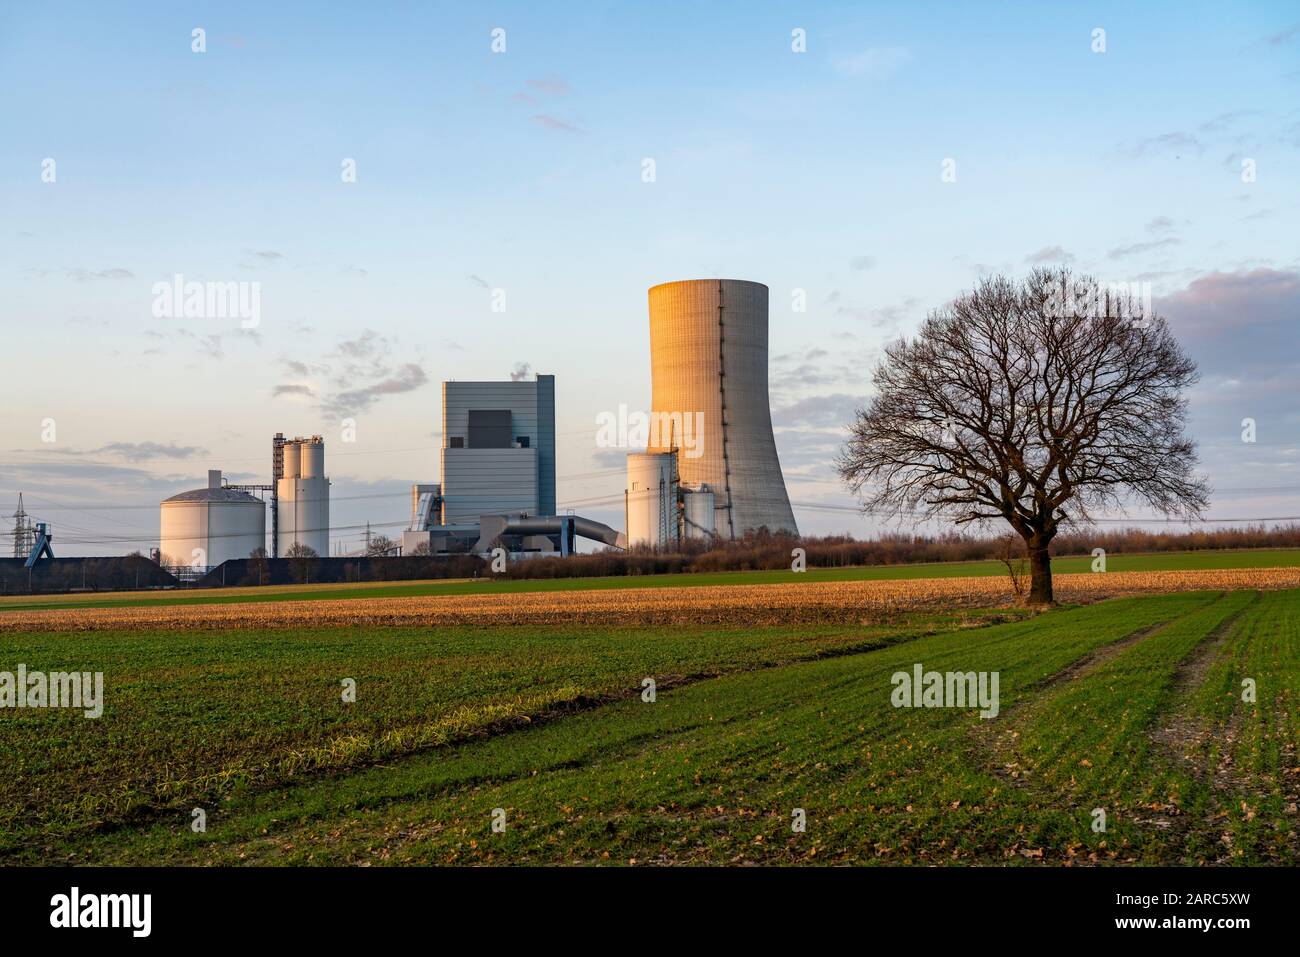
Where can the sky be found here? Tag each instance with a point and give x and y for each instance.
(416, 206)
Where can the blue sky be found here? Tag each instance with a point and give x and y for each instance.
(522, 171)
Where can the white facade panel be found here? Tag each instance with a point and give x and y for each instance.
(488, 482)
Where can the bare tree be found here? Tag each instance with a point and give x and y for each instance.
(302, 562)
(379, 546)
(1032, 403)
(1012, 554)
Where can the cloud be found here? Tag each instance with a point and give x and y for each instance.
(1167, 143)
(1220, 302)
(92, 275)
(549, 122)
(1160, 224)
(407, 378)
(1050, 254)
(874, 63)
(143, 451)
(862, 263)
(1239, 327)
(292, 389)
(1283, 37)
(834, 411)
(1221, 122)
(368, 344)
(881, 317)
(268, 254)
(1120, 252)
(551, 85)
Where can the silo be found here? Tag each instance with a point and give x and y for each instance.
(206, 526)
(292, 460)
(303, 497)
(651, 499)
(708, 364)
(698, 512)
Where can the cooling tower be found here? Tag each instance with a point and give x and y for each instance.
(708, 369)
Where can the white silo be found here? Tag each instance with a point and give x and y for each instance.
(698, 512)
(651, 499)
(206, 526)
(708, 364)
(303, 495)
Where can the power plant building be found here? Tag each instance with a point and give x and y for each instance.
(710, 414)
(498, 448)
(497, 485)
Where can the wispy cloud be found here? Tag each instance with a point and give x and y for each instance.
(874, 63)
(91, 275)
(551, 85)
(549, 122)
(407, 378)
(293, 389)
(1121, 252)
(1049, 254)
(144, 451)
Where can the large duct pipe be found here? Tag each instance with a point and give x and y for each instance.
(708, 369)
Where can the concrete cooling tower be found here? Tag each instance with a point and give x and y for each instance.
(708, 368)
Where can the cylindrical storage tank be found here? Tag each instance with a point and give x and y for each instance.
(292, 460)
(698, 512)
(304, 516)
(312, 458)
(207, 526)
(651, 499)
(708, 370)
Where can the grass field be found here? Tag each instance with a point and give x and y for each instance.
(1153, 562)
(1129, 706)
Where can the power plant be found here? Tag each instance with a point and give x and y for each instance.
(709, 470)
(711, 463)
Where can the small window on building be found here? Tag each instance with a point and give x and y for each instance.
(523, 441)
(458, 441)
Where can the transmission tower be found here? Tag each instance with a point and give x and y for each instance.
(24, 533)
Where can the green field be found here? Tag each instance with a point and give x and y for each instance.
(1148, 562)
(1131, 707)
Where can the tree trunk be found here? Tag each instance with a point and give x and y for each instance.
(1040, 576)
